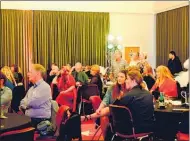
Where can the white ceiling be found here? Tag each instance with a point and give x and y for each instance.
(143, 7)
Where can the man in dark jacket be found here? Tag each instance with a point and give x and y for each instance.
(174, 64)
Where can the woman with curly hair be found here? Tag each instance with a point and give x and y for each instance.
(10, 78)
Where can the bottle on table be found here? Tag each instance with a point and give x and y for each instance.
(161, 101)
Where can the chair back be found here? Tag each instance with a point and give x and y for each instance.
(26, 134)
(90, 90)
(122, 120)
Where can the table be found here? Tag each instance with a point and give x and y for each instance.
(14, 122)
(167, 121)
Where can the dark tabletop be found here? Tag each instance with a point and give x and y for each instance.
(14, 122)
(167, 121)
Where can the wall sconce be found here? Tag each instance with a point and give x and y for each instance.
(114, 43)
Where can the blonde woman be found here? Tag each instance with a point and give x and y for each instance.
(95, 79)
(10, 78)
(165, 82)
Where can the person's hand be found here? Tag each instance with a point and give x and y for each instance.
(82, 118)
(62, 92)
(68, 114)
(98, 111)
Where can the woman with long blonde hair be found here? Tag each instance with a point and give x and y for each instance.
(165, 82)
(10, 77)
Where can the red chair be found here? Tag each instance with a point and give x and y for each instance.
(183, 131)
(86, 93)
(182, 136)
(123, 124)
(26, 134)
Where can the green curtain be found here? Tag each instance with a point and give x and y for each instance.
(172, 33)
(12, 47)
(69, 37)
(15, 39)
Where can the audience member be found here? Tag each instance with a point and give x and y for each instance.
(183, 77)
(87, 71)
(95, 79)
(53, 73)
(136, 68)
(37, 102)
(138, 100)
(80, 76)
(10, 83)
(118, 63)
(134, 59)
(67, 91)
(18, 93)
(174, 63)
(140, 103)
(5, 94)
(16, 73)
(114, 92)
(148, 76)
(142, 61)
(165, 82)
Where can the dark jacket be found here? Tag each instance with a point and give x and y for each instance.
(175, 65)
(140, 103)
(97, 80)
(149, 81)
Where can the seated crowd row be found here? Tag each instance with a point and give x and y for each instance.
(132, 86)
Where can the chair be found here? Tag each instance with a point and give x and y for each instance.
(86, 92)
(26, 134)
(123, 124)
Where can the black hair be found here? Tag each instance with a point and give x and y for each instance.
(173, 53)
(2, 76)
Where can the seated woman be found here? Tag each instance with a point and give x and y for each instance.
(148, 76)
(16, 72)
(138, 100)
(165, 82)
(114, 92)
(10, 83)
(95, 79)
(18, 93)
(67, 91)
(5, 94)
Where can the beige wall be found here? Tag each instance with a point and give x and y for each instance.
(161, 6)
(136, 30)
(92, 6)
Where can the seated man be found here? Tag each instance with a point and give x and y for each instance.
(80, 76)
(37, 102)
(5, 94)
(81, 79)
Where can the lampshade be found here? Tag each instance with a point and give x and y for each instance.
(119, 47)
(110, 37)
(110, 46)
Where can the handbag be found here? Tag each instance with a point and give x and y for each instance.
(70, 128)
